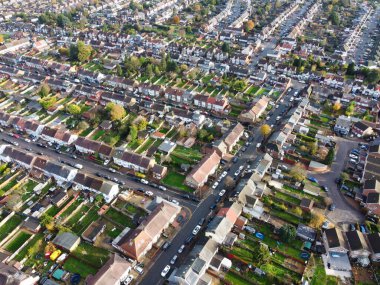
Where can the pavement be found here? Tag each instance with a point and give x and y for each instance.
(344, 212)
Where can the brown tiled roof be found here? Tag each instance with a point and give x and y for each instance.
(234, 134)
(204, 167)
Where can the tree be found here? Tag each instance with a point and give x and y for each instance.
(317, 220)
(45, 90)
(249, 25)
(202, 134)
(277, 4)
(115, 111)
(337, 105)
(351, 68)
(13, 201)
(313, 147)
(239, 85)
(330, 157)
(373, 76)
(50, 247)
(288, 233)
(73, 52)
(83, 125)
(63, 21)
(84, 51)
(142, 123)
(46, 102)
(197, 8)
(182, 131)
(74, 109)
(119, 70)
(229, 182)
(298, 172)
(149, 71)
(46, 219)
(334, 18)
(1, 39)
(263, 255)
(265, 130)
(99, 199)
(225, 47)
(350, 109)
(344, 176)
(63, 51)
(35, 248)
(176, 19)
(132, 133)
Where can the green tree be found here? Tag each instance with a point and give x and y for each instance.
(84, 51)
(298, 172)
(330, 157)
(263, 255)
(73, 52)
(47, 102)
(373, 76)
(115, 111)
(351, 68)
(74, 109)
(119, 70)
(63, 21)
(288, 233)
(334, 18)
(226, 47)
(45, 90)
(142, 124)
(132, 133)
(239, 85)
(149, 71)
(83, 125)
(203, 134)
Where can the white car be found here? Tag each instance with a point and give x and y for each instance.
(268, 118)
(149, 193)
(165, 271)
(221, 193)
(163, 188)
(241, 167)
(237, 172)
(27, 140)
(215, 185)
(224, 174)
(128, 280)
(143, 181)
(182, 247)
(175, 202)
(196, 230)
(174, 259)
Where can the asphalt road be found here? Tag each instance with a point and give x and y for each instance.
(344, 212)
(92, 167)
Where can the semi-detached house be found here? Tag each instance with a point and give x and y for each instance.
(108, 189)
(210, 103)
(133, 161)
(200, 173)
(90, 147)
(58, 136)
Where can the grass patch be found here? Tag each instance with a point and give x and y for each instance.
(120, 218)
(74, 265)
(86, 132)
(85, 221)
(235, 279)
(287, 198)
(188, 153)
(92, 255)
(176, 180)
(9, 226)
(17, 242)
(98, 134)
(24, 252)
(146, 145)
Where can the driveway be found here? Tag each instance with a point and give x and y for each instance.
(344, 212)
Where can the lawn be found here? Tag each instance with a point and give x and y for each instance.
(319, 276)
(24, 252)
(75, 218)
(9, 185)
(287, 198)
(176, 180)
(71, 208)
(9, 226)
(17, 241)
(252, 90)
(287, 217)
(187, 153)
(85, 221)
(86, 132)
(120, 218)
(98, 134)
(146, 145)
(74, 265)
(235, 279)
(92, 255)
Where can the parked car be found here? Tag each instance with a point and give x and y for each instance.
(221, 193)
(332, 207)
(181, 248)
(312, 179)
(165, 270)
(196, 230)
(174, 259)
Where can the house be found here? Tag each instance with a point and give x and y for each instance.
(233, 136)
(371, 186)
(59, 199)
(134, 161)
(167, 147)
(200, 173)
(357, 245)
(252, 115)
(306, 204)
(223, 222)
(32, 224)
(374, 246)
(210, 103)
(306, 233)
(159, 171)
(334, 242)
(88, 146)
(260, 166)
(10, 154)
(342, 125)
(113, 272)
(66, 241)
(11, 275)
(58, 136)
(372, 203)
(93, 231)
(107, 188)
(361, 129)
(138, 242)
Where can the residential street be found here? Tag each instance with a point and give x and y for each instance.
(344, 212)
